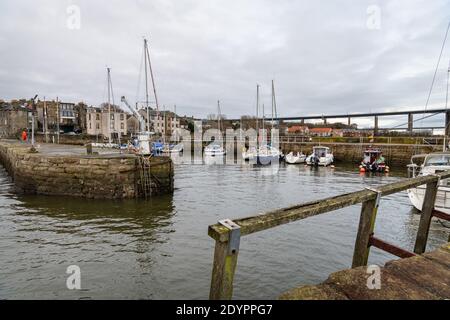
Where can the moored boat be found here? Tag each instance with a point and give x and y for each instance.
(267, 155)
(432, 163)
(294, 158)
(321, 156)
(373, 161)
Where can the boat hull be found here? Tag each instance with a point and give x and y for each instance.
(267, 159)
(214, 153)
(294, 159)
(442, 203)
(323, 161)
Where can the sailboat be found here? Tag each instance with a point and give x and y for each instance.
(266, 153)
(215, 148)
(142, 143)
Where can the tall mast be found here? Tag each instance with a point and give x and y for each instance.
(263, 126)
(257, 114)
(147, 55)
(274, 109)
(165, 127)
(274, 101)
(108, 79)
(175, 121)
(146, 85)
(446, 106)
(218, 114)
(58, 117)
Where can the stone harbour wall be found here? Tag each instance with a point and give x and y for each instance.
(98, 177)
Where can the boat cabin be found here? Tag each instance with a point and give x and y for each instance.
(371, 155)
(321, 151)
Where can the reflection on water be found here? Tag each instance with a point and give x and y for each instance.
(159, 249)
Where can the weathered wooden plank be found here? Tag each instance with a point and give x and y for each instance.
(365, 229)
(425, 218)
(224, 266)
(278, 217)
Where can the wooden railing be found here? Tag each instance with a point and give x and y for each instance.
(227, 232)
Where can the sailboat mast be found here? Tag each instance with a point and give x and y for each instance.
(272, 102)
(146, 85)
(274, 108)
(153, 79)
(257, 114)
(446, 106)
(109, 103)
(218, 115)
(175, 111)
(165, 127)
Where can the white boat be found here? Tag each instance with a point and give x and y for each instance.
(267, 155)
(432, 163)
(214, 149)
(294, 158)
(321, 156)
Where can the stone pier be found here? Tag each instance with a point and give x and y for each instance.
(69, 171)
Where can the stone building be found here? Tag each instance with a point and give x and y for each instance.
(13, 119)
(97, 121)
(70, 116)
(162, 122)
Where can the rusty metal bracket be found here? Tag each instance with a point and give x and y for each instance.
(235, 235)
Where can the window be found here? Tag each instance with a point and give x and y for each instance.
(121, 116)
(112, 116)
(98, 126)
(97, 116)
(122, 126)
(89, 117)
(90, 125)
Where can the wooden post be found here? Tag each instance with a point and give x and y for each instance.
(425, 218)
(222, 278)
(365, 230)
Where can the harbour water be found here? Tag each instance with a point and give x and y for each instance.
(159, 249)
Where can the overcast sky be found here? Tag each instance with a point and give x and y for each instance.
(325, 56)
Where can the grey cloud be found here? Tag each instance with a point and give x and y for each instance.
(321, 54)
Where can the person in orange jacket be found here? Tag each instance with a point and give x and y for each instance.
(24, 135)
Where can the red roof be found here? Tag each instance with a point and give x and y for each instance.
(319, 130)
(297, 128)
